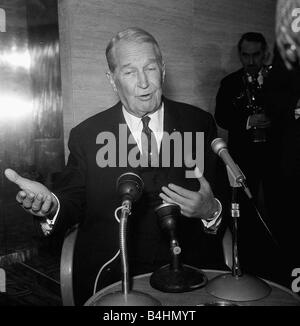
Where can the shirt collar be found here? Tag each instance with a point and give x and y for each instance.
(135, 124)
(156, 124)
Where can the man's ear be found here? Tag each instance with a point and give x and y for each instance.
(111, 80)
(163, 69)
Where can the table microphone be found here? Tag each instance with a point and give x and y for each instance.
(235, 285)
(129, 188)
(174, 277)
(219, 146)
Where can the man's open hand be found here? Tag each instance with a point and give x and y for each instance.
(34, 197)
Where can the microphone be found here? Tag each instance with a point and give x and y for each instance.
(219, 147)
(174, 277)
(167, 217)
(129, 188)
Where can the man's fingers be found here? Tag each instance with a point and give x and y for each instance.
(182, 191)
(166, 199)
(177, 199)
(198, 173)
(37, 203)
(46, 205)
(204, 185)
(203, 181)
(11, 175)
(21, 195)
(27, 202)
(14, 177)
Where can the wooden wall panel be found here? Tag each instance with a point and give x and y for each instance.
(197, 37)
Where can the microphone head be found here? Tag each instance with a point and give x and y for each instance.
(130, 186)
(217, 145)
(167, 214)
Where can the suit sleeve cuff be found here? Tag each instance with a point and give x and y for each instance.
(213, 225)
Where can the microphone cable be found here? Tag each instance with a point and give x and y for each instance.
(113, 258)
(263, 222)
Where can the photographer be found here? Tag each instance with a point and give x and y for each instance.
(240, 110)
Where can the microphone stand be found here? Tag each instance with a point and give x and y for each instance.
(124, 297)
(123, 250)
(237, 286)
(235, 213)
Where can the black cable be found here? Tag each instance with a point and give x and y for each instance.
(259, 215)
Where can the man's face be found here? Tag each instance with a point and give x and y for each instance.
(252, 56)
(138, 77)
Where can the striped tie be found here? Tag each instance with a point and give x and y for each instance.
(149, 145)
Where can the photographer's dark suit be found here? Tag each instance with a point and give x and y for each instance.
(231, 114)
(87, 194)
(256, 163)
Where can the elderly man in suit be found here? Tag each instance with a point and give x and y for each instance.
(86, 192)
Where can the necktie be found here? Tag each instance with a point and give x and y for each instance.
(149, 145)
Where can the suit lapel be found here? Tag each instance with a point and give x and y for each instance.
(122, 141)
(171, 118)
(172, 124)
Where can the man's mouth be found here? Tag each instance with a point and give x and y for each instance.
(145, 97)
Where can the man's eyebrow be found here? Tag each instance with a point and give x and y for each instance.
(153, 60)
(150, 61)
(126, 65)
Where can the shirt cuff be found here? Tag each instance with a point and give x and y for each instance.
(48, 224)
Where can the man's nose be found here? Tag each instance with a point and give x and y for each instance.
(142, 80)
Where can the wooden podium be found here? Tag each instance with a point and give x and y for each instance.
(279, 296)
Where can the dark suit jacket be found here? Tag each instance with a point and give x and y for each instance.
(87, 195)
(230, 112)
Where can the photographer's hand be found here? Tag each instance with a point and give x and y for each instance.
(259, 120)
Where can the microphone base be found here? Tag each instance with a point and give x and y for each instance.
(184, 279)
(133, 298)
(238, 288)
